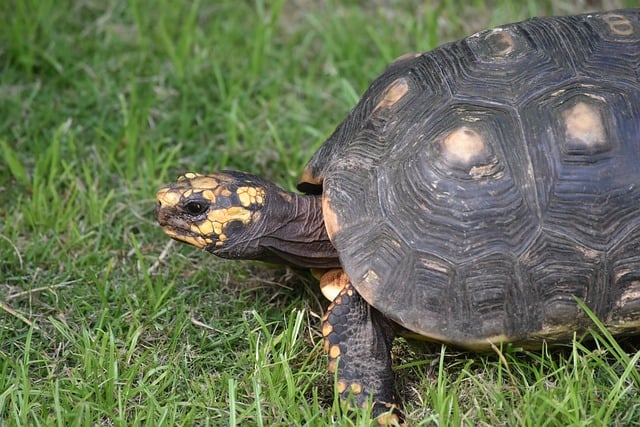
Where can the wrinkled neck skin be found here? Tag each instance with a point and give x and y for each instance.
(292, 232)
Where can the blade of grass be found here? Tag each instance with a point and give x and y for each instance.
(13, 162)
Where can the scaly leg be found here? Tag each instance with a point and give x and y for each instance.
(358, 340)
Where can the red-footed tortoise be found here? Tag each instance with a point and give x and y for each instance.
(473, 196)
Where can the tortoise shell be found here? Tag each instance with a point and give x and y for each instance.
(478, 191)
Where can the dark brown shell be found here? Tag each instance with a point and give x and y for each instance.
(480, 188)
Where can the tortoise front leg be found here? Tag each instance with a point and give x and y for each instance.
(358, 341)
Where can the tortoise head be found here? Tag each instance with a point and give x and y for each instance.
(223, 213)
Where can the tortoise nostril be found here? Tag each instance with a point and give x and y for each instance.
(157, 209)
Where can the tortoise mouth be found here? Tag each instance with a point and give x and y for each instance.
(177, 228)
(186, 236)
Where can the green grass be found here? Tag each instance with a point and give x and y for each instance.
(104, 321)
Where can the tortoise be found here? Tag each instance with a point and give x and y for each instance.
(484, 192)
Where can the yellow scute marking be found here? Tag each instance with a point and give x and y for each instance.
(308, 177)
(330, 218)
(618, 24)
(463, 145)
(501, 42)
(405, 56)
(392, 94)
(584, 125)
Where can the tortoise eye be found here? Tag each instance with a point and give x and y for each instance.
(195, 208)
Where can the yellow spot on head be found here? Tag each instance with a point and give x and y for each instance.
(190, 175)
(234, 213)
(332, 366)
(250, 195)
(356, 388)
(205, 182)
(204, 228)
(208, 194)
(244, 198)
(341, 386)
(217, 227)
(167, 197)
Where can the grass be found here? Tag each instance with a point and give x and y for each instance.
(104, 321)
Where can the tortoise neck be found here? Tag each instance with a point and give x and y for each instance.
(299, 237)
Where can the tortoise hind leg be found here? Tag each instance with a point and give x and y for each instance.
(358, 341)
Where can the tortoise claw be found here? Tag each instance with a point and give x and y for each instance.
(388, 414)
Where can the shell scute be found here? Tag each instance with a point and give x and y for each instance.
(477, 190)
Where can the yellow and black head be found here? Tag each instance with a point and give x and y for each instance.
(221, 212)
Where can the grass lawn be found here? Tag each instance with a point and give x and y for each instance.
(105, 321)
